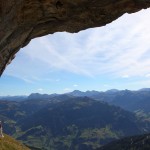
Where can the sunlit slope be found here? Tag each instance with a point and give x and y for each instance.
(8, 143)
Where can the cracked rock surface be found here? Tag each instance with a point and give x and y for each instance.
(23, 20)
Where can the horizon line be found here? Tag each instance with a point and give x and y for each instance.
(24, 95)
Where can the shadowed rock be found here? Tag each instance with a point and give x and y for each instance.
(23, 20)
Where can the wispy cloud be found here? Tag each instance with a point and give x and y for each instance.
(125, 76)
(75, 85)
(107, 85)
(40, 90)
(147, 75)
(119, 50)
(67, 90)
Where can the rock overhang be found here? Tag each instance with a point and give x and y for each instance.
(23, 20)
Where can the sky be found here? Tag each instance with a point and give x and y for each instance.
(115, 56)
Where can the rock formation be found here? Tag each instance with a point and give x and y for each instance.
(23, 20)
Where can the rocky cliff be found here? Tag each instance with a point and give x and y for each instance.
(23, 20)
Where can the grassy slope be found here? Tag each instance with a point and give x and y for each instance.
(8, 143)
(141, 142)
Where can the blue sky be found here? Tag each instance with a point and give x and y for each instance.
(113, 56)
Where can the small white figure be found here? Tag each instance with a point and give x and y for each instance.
(1, 130)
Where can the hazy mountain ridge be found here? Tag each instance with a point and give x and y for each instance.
(141, 142)
(66, 122)
(126, 99)
(13, 98)
(129, 100)
(63, 121)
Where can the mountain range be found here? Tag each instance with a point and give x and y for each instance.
(126, 99)
(76, 120)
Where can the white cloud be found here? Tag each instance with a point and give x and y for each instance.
(107, 85)
(125, 76)
(67, 90)
(147, 75)
(40, 90)
(75, 85)
(120, 49)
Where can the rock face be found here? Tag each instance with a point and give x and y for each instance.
(23, 20)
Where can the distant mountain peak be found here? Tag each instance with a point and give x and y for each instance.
(112, 91)
(77, 91)
(41, 96)
(145, 89)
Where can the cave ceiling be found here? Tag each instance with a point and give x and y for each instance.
(23, 20)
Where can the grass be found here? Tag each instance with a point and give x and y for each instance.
(8, 143)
